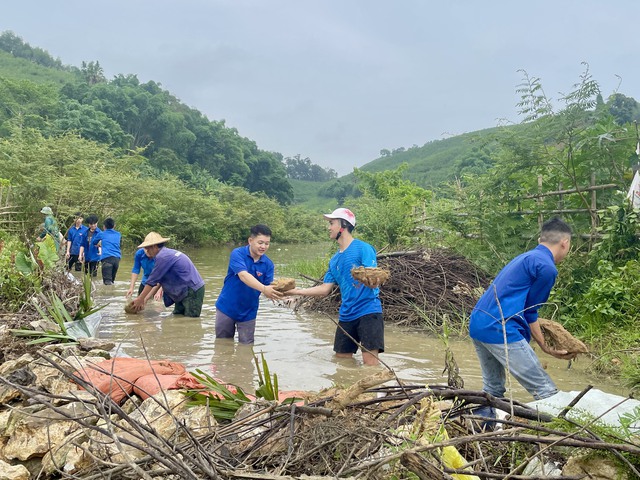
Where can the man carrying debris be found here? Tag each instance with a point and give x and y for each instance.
(249, 275)
(506, 317)
(360, 311)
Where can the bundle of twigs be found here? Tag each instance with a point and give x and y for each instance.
(424, 286)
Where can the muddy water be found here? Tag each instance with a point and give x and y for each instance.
(297, 346)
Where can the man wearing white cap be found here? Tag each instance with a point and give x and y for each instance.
(176, 273)
(361, 323)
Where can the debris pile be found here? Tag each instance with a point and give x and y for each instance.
(424, 286)
(372, 429)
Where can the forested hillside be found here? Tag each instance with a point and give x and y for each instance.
(37, 91)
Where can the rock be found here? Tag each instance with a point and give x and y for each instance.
(128, 307)
(13, 472)
(32, 431)
(593, 468)
(154, 413)
(11, 365)
(92, 343)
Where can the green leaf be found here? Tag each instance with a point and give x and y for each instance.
(24, 264)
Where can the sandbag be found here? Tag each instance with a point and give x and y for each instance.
(149, 385)
(116, 377)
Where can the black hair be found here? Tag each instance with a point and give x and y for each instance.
(109, 223)
(91, 219)
(78, 215)
(260, 229)
(555, 230)
(347, 225)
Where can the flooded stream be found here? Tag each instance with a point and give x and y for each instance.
(296, 345)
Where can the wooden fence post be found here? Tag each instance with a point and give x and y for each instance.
(540, 217)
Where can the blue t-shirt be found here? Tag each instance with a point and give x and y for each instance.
(357, 300)
(176, 273)
(237, 300)
(521, 287)
(91, 250)
(144, 263)
(110, 243)
(75, 237)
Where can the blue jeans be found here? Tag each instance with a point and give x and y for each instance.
(524, 365)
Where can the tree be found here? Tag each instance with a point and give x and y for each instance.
(92, 72)
(298, 168)
(624, 109)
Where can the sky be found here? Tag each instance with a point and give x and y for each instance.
(338, 80)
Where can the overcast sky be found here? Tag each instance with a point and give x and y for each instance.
(339, 80)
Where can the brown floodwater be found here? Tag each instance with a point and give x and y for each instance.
(296, 345)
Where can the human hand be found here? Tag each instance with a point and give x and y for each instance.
(67, 255)
(138, 304)
(158, 295)
(561, 354)
(272, 293)
(129, 292)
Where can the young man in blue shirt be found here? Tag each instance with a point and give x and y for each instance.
(173, 270)
(361, 322)
(109, 241)
(75, 239)
(249, 274)
(506, 317)
(90, 253)
(144, 263)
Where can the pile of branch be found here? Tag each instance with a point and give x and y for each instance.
(424, 286)
(381, 432)
(56, 282)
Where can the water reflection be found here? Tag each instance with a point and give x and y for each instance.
(297, 346)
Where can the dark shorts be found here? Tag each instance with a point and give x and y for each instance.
(191, 305)
(367, 330)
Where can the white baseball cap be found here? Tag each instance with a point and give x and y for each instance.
(342, 213)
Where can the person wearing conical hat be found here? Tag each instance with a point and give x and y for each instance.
(50, 226)
(173, 270)
(361, 324)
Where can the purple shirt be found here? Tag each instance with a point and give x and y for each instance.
(176, 273)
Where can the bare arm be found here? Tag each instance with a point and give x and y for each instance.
(250, 281)
(318, 291)
(134, 277)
